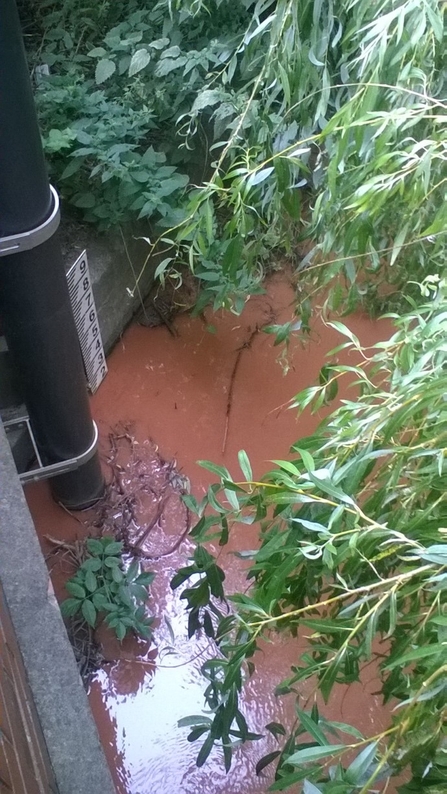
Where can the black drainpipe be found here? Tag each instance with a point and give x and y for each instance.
(35, 306)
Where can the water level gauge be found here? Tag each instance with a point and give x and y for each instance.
(86, 319)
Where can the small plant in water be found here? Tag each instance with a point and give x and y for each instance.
(102, 585)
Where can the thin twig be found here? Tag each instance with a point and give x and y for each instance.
(245, 346)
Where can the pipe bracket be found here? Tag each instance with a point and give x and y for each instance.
(43, 472)
(25, 241)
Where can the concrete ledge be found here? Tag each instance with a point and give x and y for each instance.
(70, 733)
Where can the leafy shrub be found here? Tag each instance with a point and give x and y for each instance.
(353, 557)
(337, 108)
(101, 585)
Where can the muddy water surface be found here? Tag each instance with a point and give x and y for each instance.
(204, 394)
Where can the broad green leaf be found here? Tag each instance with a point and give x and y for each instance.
(104, 69)
(139, 61)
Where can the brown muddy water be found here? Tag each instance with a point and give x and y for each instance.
(166, 403)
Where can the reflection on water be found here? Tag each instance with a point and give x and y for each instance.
(143, 704)
(176, 392)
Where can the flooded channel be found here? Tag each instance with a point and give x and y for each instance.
(166, 403)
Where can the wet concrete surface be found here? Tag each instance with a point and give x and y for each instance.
(166, 403)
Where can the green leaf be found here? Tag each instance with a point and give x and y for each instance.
(309, 788)
(205, 750)
(145, 578)
(244, 463)
(266, 760)
(206, 98)
(112, 562)
(360, 766)
(286, 465)
(221, 471)
(104, 69)
(120, 630)
(99, 600)
(194, 719)
(276, 729)
(259, 176)
(94, 546)
(114, 548)
(92, 564)
(436, 553)
(418, 654)
(306, 457)
(327, 487)
(311, 727)
(89, 612)
(139, 61)
(70, 606)
(90, 581)
(124, 596)
(310, 754)
(75, 589)
(117, 574)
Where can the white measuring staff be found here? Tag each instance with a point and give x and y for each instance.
(86, 319)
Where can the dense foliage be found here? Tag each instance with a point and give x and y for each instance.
(235, 128)
(353, 558)
(102, 589)
(265, 106)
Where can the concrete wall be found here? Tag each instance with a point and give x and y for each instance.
(116, 261)
(61, 704)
